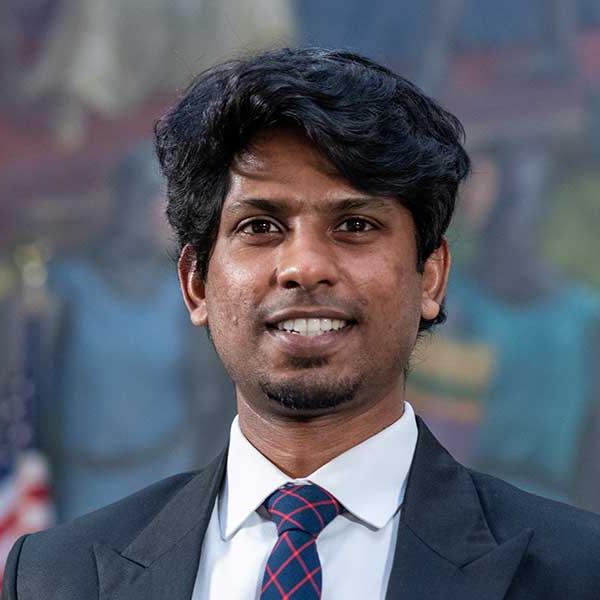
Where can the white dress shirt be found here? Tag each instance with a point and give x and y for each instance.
(356, 549)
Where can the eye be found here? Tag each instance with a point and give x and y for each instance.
(258, 227)
(355, 225)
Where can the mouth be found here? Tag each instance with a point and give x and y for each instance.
(311, 332)
(311, 327)
(310, 343)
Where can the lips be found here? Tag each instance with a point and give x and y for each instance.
(310, 330)
(311, 327)
(308, 312)
(311, 344)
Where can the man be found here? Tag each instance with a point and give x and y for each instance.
(310, 191)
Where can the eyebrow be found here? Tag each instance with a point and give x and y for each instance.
(280, 206)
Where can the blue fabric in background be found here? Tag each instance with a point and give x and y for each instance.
(540, 393)
(120, 407)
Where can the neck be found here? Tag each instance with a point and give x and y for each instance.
(296, 446)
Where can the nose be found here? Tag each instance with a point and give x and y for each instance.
(306, 261)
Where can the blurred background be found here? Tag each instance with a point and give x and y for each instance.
(106, 387)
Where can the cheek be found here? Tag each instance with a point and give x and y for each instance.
(393, 293)
(230, 298)
(225, 305)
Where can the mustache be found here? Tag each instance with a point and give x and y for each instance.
(298, 298)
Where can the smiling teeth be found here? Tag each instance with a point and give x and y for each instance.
(311, 327)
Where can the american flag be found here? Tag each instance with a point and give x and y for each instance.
(24, 493)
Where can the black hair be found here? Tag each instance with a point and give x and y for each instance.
(378, 130)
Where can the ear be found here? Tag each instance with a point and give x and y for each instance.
(435, 281)
(192, 286)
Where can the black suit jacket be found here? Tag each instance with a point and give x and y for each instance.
(462, 536)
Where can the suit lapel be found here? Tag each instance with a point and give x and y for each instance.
(162, 560)
(445, 548)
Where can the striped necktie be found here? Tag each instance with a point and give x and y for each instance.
(293, 570)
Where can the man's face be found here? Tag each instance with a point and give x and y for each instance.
(312, 294)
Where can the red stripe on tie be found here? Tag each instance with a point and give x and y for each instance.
(307, 503)
(274, 574)
(313, 505)
(288, 566)
(281, 494)
(333, 500)
(285, 517)
(302, 582)
(303, 564)
(277, 584)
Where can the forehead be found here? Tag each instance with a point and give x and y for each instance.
(284, 165)
(279, 151)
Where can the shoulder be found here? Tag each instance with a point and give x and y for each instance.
(510, 507)
(565, 540)
(118, 523)
(63, 556)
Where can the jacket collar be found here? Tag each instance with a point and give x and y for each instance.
(162, 561)
(445, 548)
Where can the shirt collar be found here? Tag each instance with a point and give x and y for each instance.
(368, 479)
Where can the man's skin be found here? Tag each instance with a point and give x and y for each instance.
(291, 245)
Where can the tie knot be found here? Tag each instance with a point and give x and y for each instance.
(306, 507)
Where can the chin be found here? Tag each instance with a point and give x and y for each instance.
(309, 399)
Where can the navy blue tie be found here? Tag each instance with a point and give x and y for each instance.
(293, 570)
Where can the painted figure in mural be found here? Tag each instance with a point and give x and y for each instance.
(128, 406)
(521, 341)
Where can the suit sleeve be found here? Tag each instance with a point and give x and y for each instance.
(9, 583)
